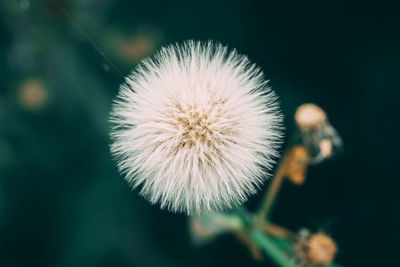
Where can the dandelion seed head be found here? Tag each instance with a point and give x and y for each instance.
(196, 127)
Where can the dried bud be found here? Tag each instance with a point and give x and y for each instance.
(310, 116)
(317, 135)
(32, 94)
(297, 163)
(137, 47)
(321, 249)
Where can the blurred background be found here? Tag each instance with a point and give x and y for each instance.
(62, 201)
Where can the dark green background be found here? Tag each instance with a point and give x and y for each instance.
(62, 201)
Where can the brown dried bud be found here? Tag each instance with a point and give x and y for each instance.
(296, 165)
(321, 249)
(32, 94)
(309, 116)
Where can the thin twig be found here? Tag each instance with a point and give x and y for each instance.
(276, 230)
(253, 247)
(273, 190)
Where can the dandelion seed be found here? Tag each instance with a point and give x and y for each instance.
(196, 127)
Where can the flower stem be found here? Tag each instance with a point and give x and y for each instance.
(271, 249)
(273, 189)
(243, 214)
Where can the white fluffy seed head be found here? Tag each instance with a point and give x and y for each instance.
(196, 128)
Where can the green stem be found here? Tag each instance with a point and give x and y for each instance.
(271, 249)
(244, 215)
